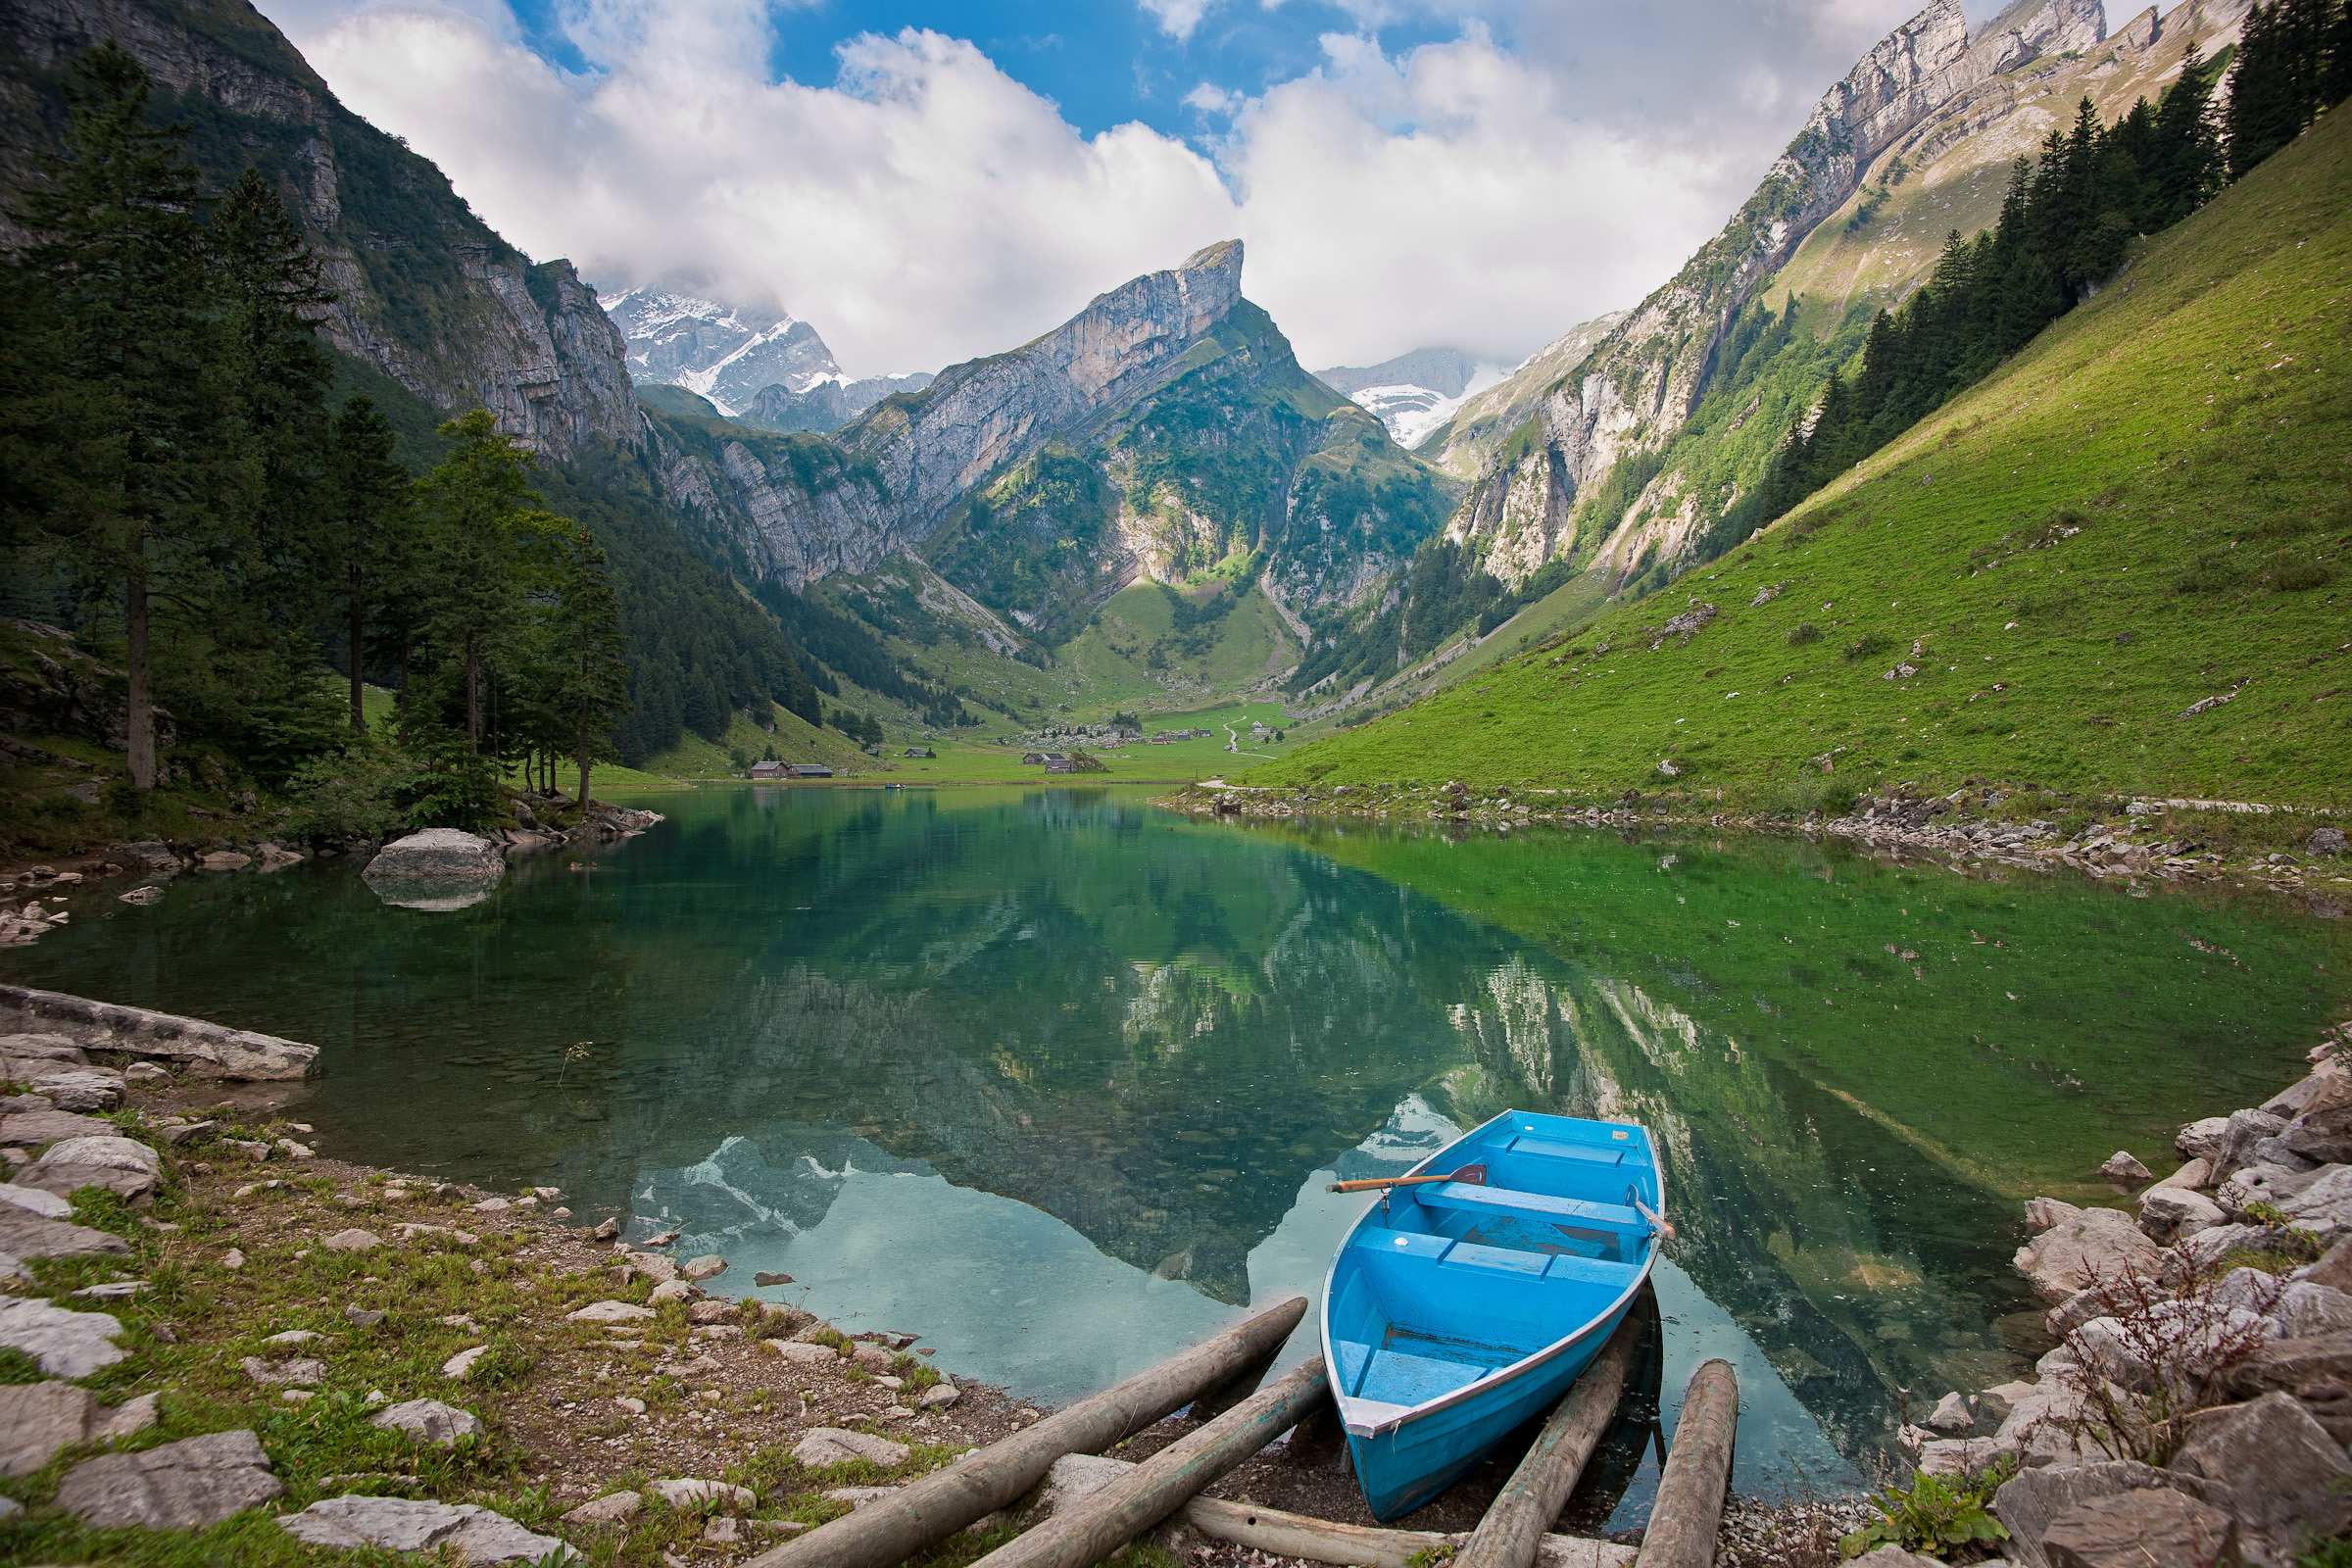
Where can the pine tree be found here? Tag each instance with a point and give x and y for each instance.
(590, 692)
(271, 301)
(479, 509)
(2184, 165)
(367, 540)
(118, 255)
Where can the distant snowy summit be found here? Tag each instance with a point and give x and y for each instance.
(762, 367)
(1413, 394)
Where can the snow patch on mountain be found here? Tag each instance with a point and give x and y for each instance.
(1413, 394)
(727, 353)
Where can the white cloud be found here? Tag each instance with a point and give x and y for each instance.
(1177, 17)
(927, 207)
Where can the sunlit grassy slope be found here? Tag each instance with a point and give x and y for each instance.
(2147, 508)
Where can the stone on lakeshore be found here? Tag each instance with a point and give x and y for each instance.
(2134, 1529)
(2316, 1370)
(859, 1496)
(2246, 1129)
(1952, 1415)
(179, 1485)
(2306, 1309)
(2293, 1100)
(37, 1420)
(79, 1091)
(353, 1241)
(2044, 1213)
(1955, 1458)
(223, 860)
(2172, 1214)
(2209, 1247)
(302, 1373)
(872, 1357)
(610, 1509)
(2322, 1130)
(362, 1317)
(2123, 1166)
(2196, 1338)
(27, 1128)
(611, 1312)
(203, 1048)
(604, 1231)
(939, 1397)
(402, 1524)
(2324, 1208)
(633, 1405)
(2282, 1470)
(2325, 840)
(2203, 1140)
(691, 1493)
(65, 1345)
(2193, 1176)
(24, 1234)
(2247, 1288)
(42, 1047)
(2335, 1269)
(2091, 1246)
(708, 1267)
(294, 1336)
(673, 1291)
(771, 1279)
(436, 870)
(428, 1421)
(36, 1200)
(653, 1265)
(709, 1313)
(2031, 1500)
(807, 1355)
(121, 1166)
(460, 1365)
(146, 1072)
(1894, 1556)
(128, 1419)
(824, 1446)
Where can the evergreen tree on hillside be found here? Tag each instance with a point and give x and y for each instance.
(590, 689)
(2284, 76)
(366, 538)
(119, 261)
(479, 510)
(270, 301)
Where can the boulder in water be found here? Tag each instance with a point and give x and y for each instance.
(436, 870)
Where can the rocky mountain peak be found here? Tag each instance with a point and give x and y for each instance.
(727, 353)
(978, 415)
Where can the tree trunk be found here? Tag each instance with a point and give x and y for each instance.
(402, 703)
(359, 712)
(473, 699)
(580, 736)
(139, 720)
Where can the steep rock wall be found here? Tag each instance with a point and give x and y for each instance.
(427, 292)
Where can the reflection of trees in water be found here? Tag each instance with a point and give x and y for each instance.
(1851, 1295)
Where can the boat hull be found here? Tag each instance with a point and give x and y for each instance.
(1408, 1464)
(1455, 1313)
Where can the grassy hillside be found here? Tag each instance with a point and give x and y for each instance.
(2146, 509)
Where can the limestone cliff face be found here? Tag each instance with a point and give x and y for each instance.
(427, 293)
(977, 416)
(1640, 386)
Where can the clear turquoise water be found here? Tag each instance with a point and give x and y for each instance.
(1057, 1079)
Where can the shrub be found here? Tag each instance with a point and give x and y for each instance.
(1804, 632)
(1936, 1516)
(1868, 644)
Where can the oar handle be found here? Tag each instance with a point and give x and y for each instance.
(1655, 1218)
(1474, 1175)
(1377, 1182)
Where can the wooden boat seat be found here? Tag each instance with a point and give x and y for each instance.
(1398, 1251)
(1534, 1205)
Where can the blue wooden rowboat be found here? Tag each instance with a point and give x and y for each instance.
(1456, 1310)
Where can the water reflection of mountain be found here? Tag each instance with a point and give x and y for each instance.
(1157, 1032)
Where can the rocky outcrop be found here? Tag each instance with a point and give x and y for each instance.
(427, 292)
(979, 415)
(205, 1049)
(1642, 383)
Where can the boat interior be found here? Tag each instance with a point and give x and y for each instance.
(1443, 1284)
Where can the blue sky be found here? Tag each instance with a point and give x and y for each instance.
(927, 182)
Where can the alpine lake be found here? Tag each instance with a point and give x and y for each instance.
(1057, 1079)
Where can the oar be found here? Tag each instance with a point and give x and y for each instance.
(1469, 1175)
(1658, 1220)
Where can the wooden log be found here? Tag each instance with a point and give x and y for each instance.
(1104, 1522)
(1234, 1390)
(1291, 1535)
(1523, 1511)
(1689, 1509)
(892, 1528)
